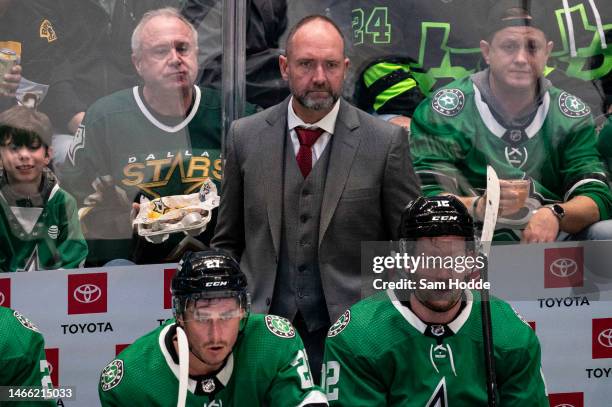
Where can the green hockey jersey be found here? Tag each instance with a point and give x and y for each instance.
(455, 135)
(123, 150)
(39, 238)
(22, 355)
(379, 353)
(267, 367)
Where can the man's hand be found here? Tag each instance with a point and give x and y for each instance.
(402, 121)
(10, 82)
(543, 227)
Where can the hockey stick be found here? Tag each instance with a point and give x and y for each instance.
(183, 354)
(488, 228)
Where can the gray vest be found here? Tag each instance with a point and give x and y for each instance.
(298, 284)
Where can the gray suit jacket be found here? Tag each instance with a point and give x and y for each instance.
(369, 182)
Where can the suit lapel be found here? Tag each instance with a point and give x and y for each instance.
(272, 153)
(345, 142)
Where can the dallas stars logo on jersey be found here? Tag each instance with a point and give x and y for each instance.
(571, 106)
(448, 102)
(112, 375)
(340, 324)
(280, 326)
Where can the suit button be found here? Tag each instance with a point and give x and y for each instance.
(300, 294)
(268, 301)
(302, 268)
(304, 218)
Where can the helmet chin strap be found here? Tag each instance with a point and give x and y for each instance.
(183, 354)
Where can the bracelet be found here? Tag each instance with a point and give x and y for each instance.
(475, 206)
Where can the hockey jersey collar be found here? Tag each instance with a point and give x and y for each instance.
(169, 129)
(455, 325)
(223, 376)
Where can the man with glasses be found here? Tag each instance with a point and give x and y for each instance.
(158, 139)
(214, 353)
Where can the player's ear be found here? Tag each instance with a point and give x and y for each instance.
(485, 49)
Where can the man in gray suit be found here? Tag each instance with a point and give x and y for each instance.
(305, 182)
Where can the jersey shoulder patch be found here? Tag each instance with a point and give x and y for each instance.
(448, 102)
(572, 106)
(111, 375)
(340, 324)
(25, 322)
(280, 326)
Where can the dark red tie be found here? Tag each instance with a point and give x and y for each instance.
(307, 138)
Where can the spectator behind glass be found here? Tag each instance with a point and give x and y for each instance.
(29, 30)
(98, 36)
(266, 22)
(39, 225)
(532, 133)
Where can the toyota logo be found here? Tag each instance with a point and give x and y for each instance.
(564, 405)
(564, 267)
(50, 367)
(87, 293)
(605, 338)
(2, 298)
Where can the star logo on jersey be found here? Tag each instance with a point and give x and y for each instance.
(47, 31)
(516, 156)
(448, 102)
(78, 143)
(25, 322)
(111, 375)
(571, 106)
(32, 263)
(340, 324)
(208, 386)
(280, 326)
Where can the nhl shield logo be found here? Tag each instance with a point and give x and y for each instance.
(208, 386)
(571, 106)
(448, 102)
(437, 330)
(280, 326)
(111, 375)
(53, 232)
(516, 156)
(340, 324)
(25, 322)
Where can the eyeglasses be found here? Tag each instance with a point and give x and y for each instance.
(162, 52)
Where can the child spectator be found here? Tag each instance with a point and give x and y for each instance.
(39, 225)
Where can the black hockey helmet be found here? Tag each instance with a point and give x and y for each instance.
(206, 275)
(442, 215)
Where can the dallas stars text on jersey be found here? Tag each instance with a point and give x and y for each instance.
(380, 353)
(267, 367)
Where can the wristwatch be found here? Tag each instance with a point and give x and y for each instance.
(557, 210)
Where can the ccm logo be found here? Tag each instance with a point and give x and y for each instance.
(216, 284)
(437, 217)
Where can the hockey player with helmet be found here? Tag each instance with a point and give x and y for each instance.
(214, 353)
(511, 117)
(22, 355)
(425, 348)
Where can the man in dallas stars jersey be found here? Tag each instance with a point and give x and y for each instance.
(424, 347)
(214, 354)
(512, 118)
